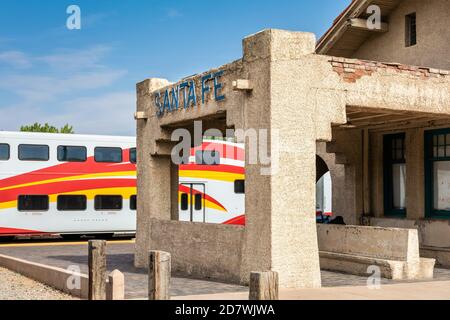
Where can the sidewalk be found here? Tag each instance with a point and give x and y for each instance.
(436, 290)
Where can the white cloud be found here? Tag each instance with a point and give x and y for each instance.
(16, 59)
(64, 87)
(76, 60)
(110, 114)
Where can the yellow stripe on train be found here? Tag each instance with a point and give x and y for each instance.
(72, 178)
(208, 204)
(212, 175)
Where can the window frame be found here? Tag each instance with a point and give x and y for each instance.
(235, 186)
(108, 195)
(135, 197)
(9, 151)
(429, 160)
(388, 162)
(71, 210)
(95, 154)
(129, 155)
(65, 146)
(33, 145)
(33, 195)
(409, 41)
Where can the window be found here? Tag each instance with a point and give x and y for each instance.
(30, 152)
(108, 203)
(184, 202)
(4, 151)
(394, 175)
(207, 157)
(133, 203)
(133, 156)
(72, 154)
(198, 205)
(437, 173)
(71, 203)
(103, 154)
(32, 203)
(239, 186)
(411, 30)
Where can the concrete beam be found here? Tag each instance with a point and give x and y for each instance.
(363, 24)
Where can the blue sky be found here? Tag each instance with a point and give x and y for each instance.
(87, 77)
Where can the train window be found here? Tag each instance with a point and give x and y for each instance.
(239, 186)
(72, 203)
(207, 157)
(4, 151)
(133, 202)
(184, 201)
(198, 202)
(33, 152)
(106, 154)
(72, 154)
(33, 203)
(108, 203)
(133, 156)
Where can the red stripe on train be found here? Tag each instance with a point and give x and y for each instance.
(185, 189)
(69, 169)
(13, 231)
(240, 221)
(66, 186)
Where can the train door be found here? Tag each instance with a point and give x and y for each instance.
(192, 202)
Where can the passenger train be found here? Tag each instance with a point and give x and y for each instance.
(71, 185)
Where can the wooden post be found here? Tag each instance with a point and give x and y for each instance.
(263, 286)
(97, 270)
(116, 286)
(159, 275)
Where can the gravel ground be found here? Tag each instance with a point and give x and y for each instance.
(14, 286)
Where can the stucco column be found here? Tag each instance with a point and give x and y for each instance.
(415, 184)
(281, 228)
(153, 183)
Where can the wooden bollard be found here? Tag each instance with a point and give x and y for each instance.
(116, 286)
(263, 286)
(97, 269)
(159, 275)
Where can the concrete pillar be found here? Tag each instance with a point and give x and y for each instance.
(280, 208)
(154, 172)
(415, 184)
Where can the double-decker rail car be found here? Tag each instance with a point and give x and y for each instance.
(66, 184)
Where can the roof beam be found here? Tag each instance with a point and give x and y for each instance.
(363, 24)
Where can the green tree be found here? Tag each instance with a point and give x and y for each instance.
(37, 127)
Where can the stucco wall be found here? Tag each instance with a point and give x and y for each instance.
(200, 250)
(379, 242)
(433, 36)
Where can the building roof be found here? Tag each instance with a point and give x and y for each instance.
(349, 32)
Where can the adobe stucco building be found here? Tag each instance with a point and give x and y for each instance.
(368, 120)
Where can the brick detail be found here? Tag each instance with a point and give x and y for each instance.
(352, 70)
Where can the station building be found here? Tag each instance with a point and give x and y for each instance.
(371, 106)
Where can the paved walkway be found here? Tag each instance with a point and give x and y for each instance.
(121, 256)
(435, 290)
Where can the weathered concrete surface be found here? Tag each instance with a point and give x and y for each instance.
(352, 249)
(432, 36)
(214, 249)
(291, 86)
(434, 236)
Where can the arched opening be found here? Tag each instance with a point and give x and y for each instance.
(324, 197)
